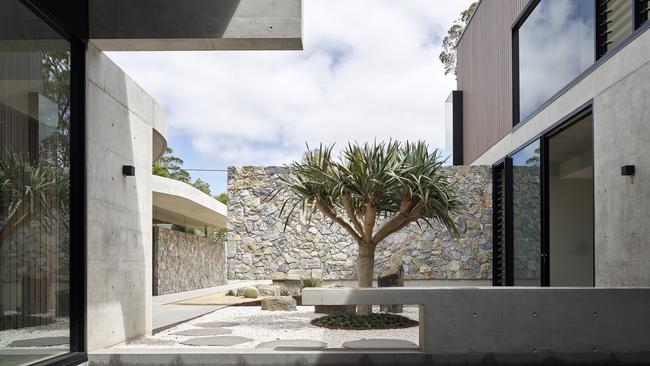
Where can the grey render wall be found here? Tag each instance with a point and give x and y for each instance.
(620, 91)
(183, 262)
(258, 247)
(120, 118)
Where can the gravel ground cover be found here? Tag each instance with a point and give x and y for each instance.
(265, 326)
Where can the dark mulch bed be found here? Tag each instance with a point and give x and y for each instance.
(364, 322)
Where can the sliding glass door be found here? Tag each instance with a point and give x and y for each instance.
(35, 188)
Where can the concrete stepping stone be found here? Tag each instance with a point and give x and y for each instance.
(201, 332)
(40, 342)
(216, 341)
(217, 324)
(380, 344)
(152, 342)
(296, 344)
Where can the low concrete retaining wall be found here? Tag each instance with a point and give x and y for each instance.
(183, 262)
(519, 321)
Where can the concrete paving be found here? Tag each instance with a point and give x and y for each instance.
(40, 342)
(221, 341)
(167, 314)
(292, 344)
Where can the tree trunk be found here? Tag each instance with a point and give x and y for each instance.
(365, 271)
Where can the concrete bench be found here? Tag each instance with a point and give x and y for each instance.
(581, 322)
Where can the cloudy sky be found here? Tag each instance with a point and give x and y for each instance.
(369, 70)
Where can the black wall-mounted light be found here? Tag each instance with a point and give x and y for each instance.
(628, 170)
(128, 170)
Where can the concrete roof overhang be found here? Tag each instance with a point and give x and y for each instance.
(179, 203)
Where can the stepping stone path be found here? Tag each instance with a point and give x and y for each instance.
(200, 332)
(216, 341)
(293, 344)
(380, 344)
(153, 342)
(217, 324)
(41, 342)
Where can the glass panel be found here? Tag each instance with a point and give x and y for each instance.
(526, 225)
(571, 205)
(643, 9)
(556, 44)
(34, 188)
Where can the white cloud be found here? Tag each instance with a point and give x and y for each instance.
(369, 70)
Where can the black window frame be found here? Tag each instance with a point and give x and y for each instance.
(77, 297)
(600, 57)
(505, 165)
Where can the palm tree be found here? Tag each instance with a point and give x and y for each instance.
(371, 191)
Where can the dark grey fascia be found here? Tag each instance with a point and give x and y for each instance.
(170, 25)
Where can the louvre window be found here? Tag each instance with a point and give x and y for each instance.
(614, 22)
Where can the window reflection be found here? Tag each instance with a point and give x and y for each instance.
(556, 43)
(526, 216)
(34, 188)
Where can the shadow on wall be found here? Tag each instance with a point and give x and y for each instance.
(120, 120)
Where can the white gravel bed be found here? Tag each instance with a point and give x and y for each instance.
(263, 326)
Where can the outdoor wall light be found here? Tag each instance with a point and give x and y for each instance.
(128, 170)
(628, 170)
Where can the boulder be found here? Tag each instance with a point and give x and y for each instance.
(268, 290)
(279, 303)
(392, 276)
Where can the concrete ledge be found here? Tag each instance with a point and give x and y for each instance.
(234, 357)
(512, 320)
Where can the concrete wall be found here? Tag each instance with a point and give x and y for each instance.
(183, 262)
(120, 118)
(259, 247)
(558, 324)
(620, 90)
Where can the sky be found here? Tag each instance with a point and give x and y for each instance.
(369, 71)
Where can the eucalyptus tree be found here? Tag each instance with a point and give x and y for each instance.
(371, 191)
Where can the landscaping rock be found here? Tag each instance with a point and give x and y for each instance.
(279, 303)
(392, 276)
(268, 290)
(294, 286)
(336, 309)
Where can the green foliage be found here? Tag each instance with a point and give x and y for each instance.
(222, 197)
(448, 54)
(231, 292)
(250, 292)
(401, 182)
(170, 166)
(310, 282)
(284, 291)
(361, 322)
(202, 186)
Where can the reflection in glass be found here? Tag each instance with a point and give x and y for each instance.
(34, 188)
(526, 206)
(556, 44)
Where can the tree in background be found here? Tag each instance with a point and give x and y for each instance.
(371, 191)
(202, 186)
(170, 166)
(222, 197)
(448, 54)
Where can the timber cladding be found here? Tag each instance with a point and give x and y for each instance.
(484, 73)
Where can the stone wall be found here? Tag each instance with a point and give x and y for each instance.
(259, 247)
(183, 262)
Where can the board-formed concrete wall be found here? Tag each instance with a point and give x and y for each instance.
(258, 247)
(120, 120)
(183, 262)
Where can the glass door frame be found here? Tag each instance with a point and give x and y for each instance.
(77, 296)
(505, 165)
